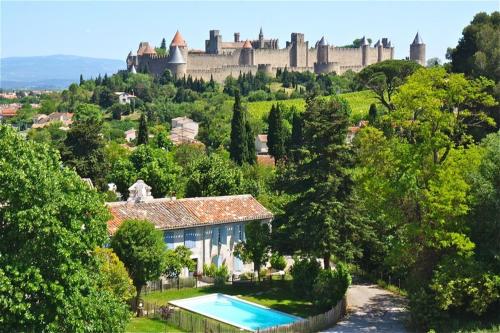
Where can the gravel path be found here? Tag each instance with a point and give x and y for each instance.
(372, 309)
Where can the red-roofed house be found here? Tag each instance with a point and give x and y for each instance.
(210, 226)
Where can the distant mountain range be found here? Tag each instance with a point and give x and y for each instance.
(52, 72)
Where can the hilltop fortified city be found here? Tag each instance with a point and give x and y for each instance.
(222, 59)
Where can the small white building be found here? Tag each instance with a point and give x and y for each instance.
(130, 135)
(123, 97)
(261, 144)
(210, 227)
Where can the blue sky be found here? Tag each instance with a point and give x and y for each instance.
(111, 29)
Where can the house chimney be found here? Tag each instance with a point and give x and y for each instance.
(236, 37)
(139, 192)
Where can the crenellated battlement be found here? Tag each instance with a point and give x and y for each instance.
(251, 55)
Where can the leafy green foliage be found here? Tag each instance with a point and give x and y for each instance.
(213, 175)
(385, 77)
(51, 222)
(115, 275)
(277, 261)
(176, 260)
(238, 148)
(304, 272)
(140, 247)
(331, 285)
(255, 248)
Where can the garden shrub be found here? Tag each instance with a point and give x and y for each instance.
(278, 262)
(304, 273)
(209, 270)
(330, 286)
(220, 275)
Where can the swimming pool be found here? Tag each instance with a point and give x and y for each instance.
(235, 311)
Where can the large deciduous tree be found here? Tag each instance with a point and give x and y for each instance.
(83, 147)
(50, 223)
(141, 248)
(385, 77)
(212, 176)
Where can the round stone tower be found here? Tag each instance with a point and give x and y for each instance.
(176, 63)
(417, 50)
(365, 49)
(246, 57)
(179, 42)
(322, 51)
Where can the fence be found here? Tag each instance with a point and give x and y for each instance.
(161, 285)
(196, 323)
(314, 323)
(188, 321)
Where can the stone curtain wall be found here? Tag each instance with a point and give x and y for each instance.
(273, 57)
(198, 61)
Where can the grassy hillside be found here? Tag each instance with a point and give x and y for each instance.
(359, 101)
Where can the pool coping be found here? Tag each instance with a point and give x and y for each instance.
(235, 298)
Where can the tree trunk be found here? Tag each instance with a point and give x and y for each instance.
(137, 297)
(326, 260)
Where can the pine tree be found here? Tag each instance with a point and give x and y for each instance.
(251, 153)
(82, 81)
(143, 135)
(163, 44)
(276, 133)
(238, 148)
(324, 206)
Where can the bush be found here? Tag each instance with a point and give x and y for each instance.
(330, 286)
(304, 273)
(278, 262)
(209, 270)
(257, 95)
(221, 275)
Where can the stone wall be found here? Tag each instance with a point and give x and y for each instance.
(204, 61)
(273, 57)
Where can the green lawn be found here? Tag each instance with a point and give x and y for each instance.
(278, 296)
(359, 101)
(148, 325)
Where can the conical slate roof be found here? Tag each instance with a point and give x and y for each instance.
(177, 57)
(364, 41)
(418, 40)
(378, 43)
(322, 41)
(132, 70)
(247, 44)
(178, 40)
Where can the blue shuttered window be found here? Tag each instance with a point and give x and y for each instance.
(223, 235)
(215, 236)
(190, 238)
(168, 238)
(236, 232)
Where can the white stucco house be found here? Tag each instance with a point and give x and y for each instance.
(124, 98)
(130, 135)
(209, 226)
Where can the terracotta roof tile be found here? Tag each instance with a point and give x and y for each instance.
(177, 214)
(265, 160)
(247, 45)
(178, 40)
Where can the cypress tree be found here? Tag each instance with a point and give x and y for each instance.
(238, 148)
(163, 44)
(276, 133)
(143, 135)
(82, 81)
(296, 138)
(372, 113)
(251, 153)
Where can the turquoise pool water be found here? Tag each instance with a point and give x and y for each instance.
(236, 312)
